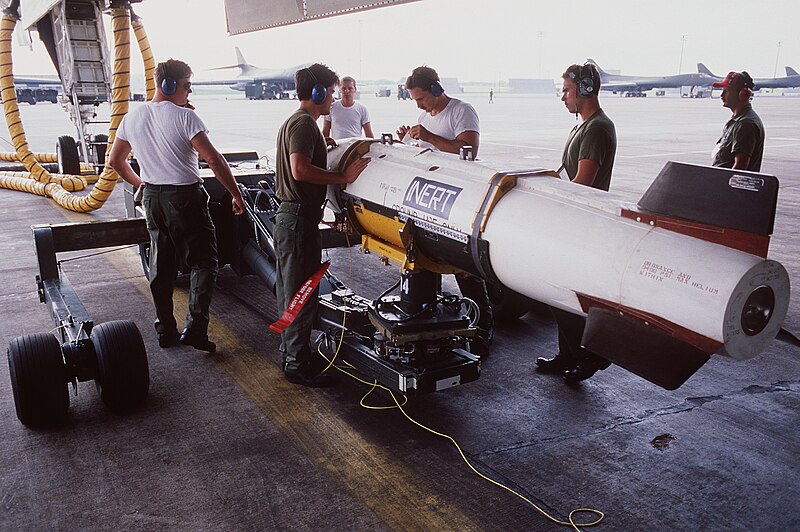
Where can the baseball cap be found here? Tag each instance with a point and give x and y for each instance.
(735, 80)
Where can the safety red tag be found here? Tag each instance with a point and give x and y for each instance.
(299, 300)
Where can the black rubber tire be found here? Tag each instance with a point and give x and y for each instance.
(123, 375)
(69, 162)
(100, 149)
(38, 379)
(506, 304)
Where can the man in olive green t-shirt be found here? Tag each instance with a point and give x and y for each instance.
(301, 179)
(588, 160)
(741, 145)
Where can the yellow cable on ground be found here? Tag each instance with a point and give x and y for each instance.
(14, 122)
(147, 55)
(374, 386)
(10, 157)
(120, 95)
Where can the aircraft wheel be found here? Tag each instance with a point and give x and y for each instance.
(123, 375)
(506, 304)
(38, 379)
(69, 162)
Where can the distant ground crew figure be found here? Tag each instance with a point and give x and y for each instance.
(741, 145)
(446, 125)
(347, 116)
(301, 181)
(167, 135)
(588, 159)
(491, 95)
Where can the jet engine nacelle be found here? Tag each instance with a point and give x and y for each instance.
(664, 283)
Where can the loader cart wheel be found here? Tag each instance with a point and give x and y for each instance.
(123, 376)
(38, 379)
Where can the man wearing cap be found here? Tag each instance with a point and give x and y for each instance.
(741, 145)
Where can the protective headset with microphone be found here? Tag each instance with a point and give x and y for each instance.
(169, 85)
(318, 91)
(585, 80)
(746, 92)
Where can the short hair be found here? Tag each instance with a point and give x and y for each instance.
(348, 78)
(576, 72)
(306, 78)
(422, 77)
(172, 69)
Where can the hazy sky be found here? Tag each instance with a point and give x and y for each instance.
(483, 40)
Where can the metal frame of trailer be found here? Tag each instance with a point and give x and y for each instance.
(42, 366)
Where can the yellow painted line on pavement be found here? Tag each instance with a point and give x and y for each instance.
(393, 492)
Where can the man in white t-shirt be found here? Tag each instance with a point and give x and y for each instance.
(348, 117)
(167, 137)
(447, 124)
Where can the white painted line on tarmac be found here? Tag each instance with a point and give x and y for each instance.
(521, 146)
(647, 155)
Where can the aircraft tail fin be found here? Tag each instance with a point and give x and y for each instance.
(244, 67)
(791, 72)
(600, 70)
(702, 69)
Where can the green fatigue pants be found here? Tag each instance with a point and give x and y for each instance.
(181, 237)
(299, 249)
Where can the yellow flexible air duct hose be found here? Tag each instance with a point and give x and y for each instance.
(9, 157)
(40, 157)
(14, 122)
(147, 55)
(120, 94)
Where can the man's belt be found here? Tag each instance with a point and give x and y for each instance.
(172, 188)
(299, 209)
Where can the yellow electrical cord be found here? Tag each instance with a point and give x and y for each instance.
(374, 385)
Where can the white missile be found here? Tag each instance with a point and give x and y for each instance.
(662, 290)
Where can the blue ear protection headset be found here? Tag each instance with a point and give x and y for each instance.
(318, 91)
(437, 89)
(169, 86)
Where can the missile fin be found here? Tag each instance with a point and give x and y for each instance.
(720, 197)
(641, 349)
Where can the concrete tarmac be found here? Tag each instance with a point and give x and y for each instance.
(225, 443)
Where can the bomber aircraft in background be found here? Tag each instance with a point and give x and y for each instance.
(258, 83)
(636, 85)
(792, 79)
